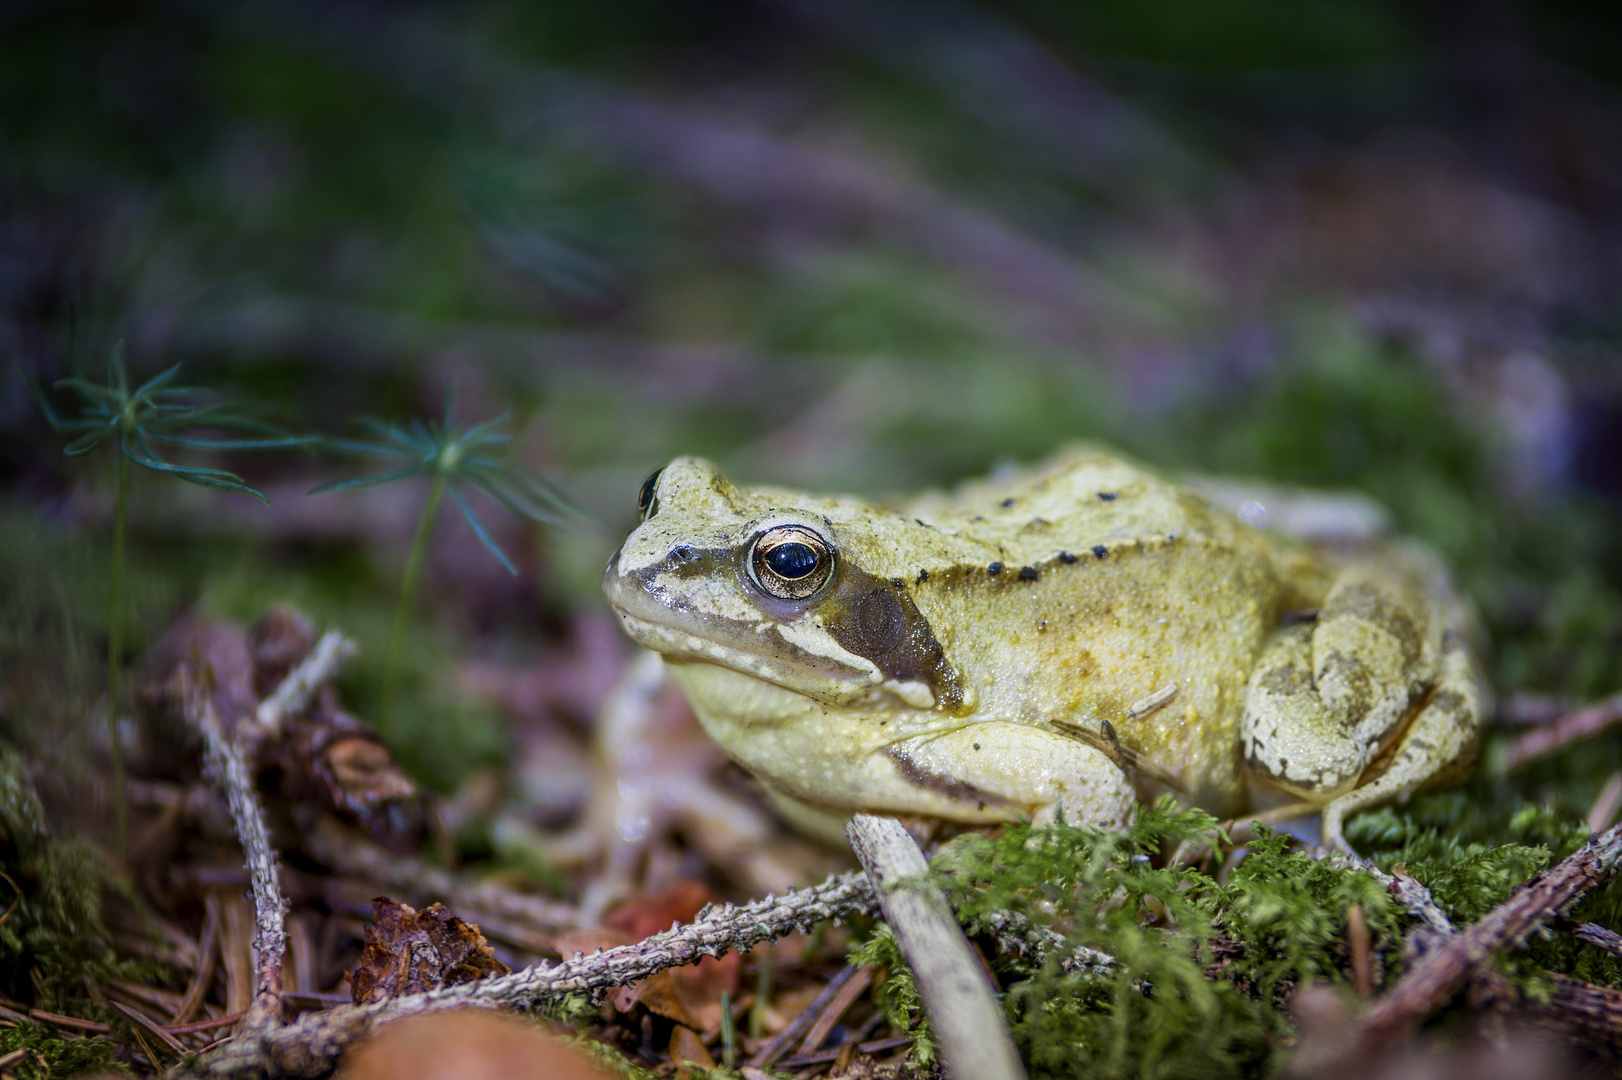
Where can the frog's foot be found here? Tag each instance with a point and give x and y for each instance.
(1437, 746)
(1000, 770)
(1376, 698)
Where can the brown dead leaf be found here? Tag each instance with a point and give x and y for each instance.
(689, 995)
(687, 1049)
(409, 952)
(279, 642)
(465, 1044)
(644, 916)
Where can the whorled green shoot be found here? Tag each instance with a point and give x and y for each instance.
(455, 458)
(137, 422)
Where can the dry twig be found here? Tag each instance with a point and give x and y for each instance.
(1409, 894)
(311, 1045)
(1464, 955)
(1573, 727)
(360, 858)
(225, 759)
(962, 1005)
(317, 669)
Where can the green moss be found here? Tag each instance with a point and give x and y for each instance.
(897, 991)
(51, 1056)
(58, 885)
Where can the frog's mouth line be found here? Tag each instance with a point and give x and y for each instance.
(743, 647)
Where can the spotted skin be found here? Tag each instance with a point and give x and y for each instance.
(970, 649)
(1377, 697)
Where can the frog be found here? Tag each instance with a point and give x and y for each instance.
(1052, 643)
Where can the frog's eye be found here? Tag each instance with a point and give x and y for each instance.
(791, 562)
(646, 503)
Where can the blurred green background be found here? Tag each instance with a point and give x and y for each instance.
(858, 244)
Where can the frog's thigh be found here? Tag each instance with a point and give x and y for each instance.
(1440, 741)
(1038, 771)
(1324, 697)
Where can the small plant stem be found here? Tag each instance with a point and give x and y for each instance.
(408, 590)
(115, 654)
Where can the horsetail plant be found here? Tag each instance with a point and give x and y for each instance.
(454, 457)
(155, 412)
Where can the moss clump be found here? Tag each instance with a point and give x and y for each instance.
(55, 887)
(897, 991)
(51, 1056)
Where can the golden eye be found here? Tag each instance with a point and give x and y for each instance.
(791, 562)
(646, 503)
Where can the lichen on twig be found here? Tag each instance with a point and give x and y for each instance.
(312, 1045)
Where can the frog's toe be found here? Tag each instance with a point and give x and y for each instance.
(1437, 747)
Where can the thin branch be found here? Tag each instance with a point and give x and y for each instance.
(1575, 1009)
(1451, 964)
(1608, 940)
(768, 1055)
(1409, 894)
(311, 1046)
(1032, 942)
(962, 1005)
(226, 761)
(317, 669)
(362, 859)
(1573, 727)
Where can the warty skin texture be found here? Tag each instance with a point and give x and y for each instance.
(956, 636)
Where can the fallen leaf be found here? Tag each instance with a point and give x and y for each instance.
(409, 952)
(689, 995)
(686, 1048)
(465, 1044)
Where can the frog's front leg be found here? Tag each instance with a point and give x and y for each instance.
(1006, 770)
(1383, 668)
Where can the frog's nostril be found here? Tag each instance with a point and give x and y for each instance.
(682, 553)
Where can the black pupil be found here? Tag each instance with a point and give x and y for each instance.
(644, 498)
(792, 561)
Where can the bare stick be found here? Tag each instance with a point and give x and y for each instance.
(1603, 812)
(1582, 724)
(963, 1008)
(1450, 965)
(311, 1046)
(1409, 894)
(1033, 942)
(360, 858)
(225, 760)
(1576, 1009)
(1608, 940)
(317, 669)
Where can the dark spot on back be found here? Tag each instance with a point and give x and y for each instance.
(1006, 503)
(897, 582)
(994, 569)
(1107, 496)
(1027, 573)
(923, 576)
(1101, 551)
(1066, 558)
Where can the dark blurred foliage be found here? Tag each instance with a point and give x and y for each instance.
(861, 245)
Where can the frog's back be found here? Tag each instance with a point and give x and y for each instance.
(1079, 498)
(1113, 595)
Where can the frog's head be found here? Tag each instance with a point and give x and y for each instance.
(778, 585)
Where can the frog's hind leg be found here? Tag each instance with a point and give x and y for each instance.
(1440, 743)
(1377, 697)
